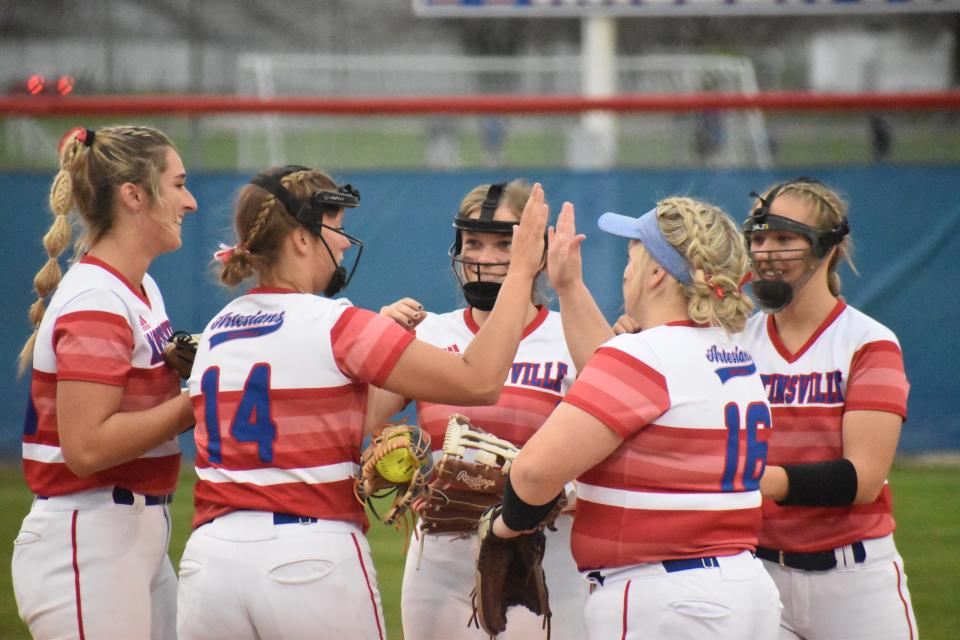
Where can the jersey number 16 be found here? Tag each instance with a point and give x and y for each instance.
(755, 459)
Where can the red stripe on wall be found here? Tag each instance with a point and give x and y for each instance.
(373, 601)
(76, 573)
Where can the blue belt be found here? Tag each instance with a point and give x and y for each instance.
(815, 561)
(707, 562)
(289, 518)
(672, 566)
(125, 496)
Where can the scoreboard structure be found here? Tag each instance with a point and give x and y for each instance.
(637, 8)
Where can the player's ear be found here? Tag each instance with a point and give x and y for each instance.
(656, 275)
(299, 240)
(131, 195)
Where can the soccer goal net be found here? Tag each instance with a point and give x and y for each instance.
(449, 140)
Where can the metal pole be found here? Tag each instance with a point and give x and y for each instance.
(597, 143)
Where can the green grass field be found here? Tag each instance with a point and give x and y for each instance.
(399, 143)
(928, 536)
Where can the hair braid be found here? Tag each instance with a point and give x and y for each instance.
(55, 241)
(262, 223)
(713, 247)
(85, 186)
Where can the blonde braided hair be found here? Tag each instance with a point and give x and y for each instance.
(714, 248)
(90, 171)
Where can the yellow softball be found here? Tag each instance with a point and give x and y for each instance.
(397, 466)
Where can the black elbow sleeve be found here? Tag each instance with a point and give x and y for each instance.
(520, 516)
(821, 484)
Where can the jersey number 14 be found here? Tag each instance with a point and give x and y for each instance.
(251, 421)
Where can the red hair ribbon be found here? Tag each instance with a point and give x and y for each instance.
(747, 277)
(83, 134)
(717, 289)
(224, 254)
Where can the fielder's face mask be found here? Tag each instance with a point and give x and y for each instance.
(773, 294)
(310, 214)
(479, 294)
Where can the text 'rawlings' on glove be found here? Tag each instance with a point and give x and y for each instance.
(509, 573)
(180, 352)
(469, 478)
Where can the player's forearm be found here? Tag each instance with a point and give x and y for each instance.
(125, 436)
(490, 354)
(773, 483)
(584, 326)
(381, 404)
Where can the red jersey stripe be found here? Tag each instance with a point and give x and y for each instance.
(366, 346)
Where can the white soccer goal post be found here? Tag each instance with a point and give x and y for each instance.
(722, 139)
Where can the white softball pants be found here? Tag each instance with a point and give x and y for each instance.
(866, 600)
(733, 599)
(87, 567)
(244, 577)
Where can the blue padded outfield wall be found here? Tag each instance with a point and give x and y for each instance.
(905, 220)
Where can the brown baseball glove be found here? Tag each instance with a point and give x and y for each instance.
(180, 351)
(509, 573)
(397, 462)
(468, 479)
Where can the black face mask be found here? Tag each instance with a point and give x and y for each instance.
(310, 214)
(479, 294)
(774, 295)
(338, 281)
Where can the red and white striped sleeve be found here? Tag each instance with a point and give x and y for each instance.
(877, 380)
(619, 390)
(366, 345)
(93, 340)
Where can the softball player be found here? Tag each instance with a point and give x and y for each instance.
(99, 439)
(279, 388)
(836, 382)
(666, 431)
(435, 601)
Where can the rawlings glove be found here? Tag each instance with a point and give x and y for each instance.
(180, 351)
(468, 479)
(509, 573)
(397, 462)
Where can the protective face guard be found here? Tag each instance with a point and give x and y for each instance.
(310, 214)
(479, 294)
(760, 219)
(774, 294)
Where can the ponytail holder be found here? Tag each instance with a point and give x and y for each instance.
(86, 136)
(83, 135)
(225, 253)
(717, 289)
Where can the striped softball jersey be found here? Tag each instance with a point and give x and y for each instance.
(850, 363)
(279, 390)
(541, 374)
(100, 328)
(693, 416)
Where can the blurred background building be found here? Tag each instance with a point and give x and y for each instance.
(383, 48)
